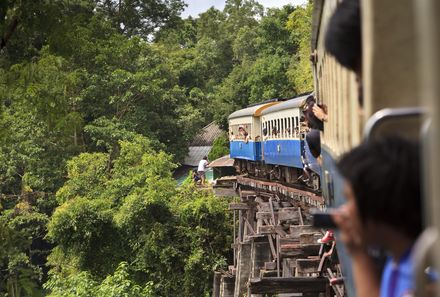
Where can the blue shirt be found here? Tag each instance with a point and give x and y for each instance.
(398, 278)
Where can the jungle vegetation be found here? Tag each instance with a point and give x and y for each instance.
(98, 101)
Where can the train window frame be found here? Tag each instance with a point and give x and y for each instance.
(283, 129)
(293, 126)
(270, 129)
(278, 128)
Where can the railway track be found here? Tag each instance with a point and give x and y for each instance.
(275, 246)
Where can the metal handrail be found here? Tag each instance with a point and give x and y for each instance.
(389, 114)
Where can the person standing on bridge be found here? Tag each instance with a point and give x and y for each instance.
(203, 164)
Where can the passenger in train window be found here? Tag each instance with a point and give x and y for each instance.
(320, 112)
(243, 133)
(313, 122)
(382, 209)
(274, 131)
(265, 133)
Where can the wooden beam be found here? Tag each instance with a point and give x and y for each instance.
(307, 265)
(301, 221)
(263, 215)
(238, 206)
(285, 285)
(297, 250)
(249, 227)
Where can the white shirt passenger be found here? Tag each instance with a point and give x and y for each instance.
(202, 165)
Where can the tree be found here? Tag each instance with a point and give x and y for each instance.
(300, 70)
(141, 17)
(220, 148)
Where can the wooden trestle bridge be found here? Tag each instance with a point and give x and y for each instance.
(275, 248)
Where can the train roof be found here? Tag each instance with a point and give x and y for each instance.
(289, 104)
(252, 111)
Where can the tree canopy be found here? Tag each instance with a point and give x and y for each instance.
(98, 103)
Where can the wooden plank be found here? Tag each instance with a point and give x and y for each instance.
(270, 265)
(267, 229)
(268, 273)
(272, 247)
(307, 265)
(284, 285)
(288, 214)
(272, 212)
(307, 238)
(249, 227)
(301, 221)
(296, 230)
(263, 215)
(238, 206)
(297, 250)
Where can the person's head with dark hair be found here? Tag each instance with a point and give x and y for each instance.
(312, 121)
(383, 177)
(205, 158)
(343, 39)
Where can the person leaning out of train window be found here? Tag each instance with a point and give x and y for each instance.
(243, 133)
(320, 112)
(382, 209)
(313, 121)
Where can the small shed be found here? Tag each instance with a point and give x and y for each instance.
(223, 166)
(202, 144)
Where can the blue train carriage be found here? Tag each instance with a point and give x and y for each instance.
(283, 140)
(245, 137)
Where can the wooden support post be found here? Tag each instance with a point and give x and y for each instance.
(227, 285)
(249, 227)
(216, 284)
(278, 255)
(240, 226)
(301, 221)
(272, 212)
(243, 269)
(235, 240)
(272, 247)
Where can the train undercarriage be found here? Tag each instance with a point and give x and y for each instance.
(291, 176)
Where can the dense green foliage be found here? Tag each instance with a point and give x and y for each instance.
(98, 101)
(220, 148)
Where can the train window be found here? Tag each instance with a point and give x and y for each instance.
(289, 129)
(282, 128)
(278, 127)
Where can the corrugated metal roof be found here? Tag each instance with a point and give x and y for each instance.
(292, 103)
(195, 154)
(224, 161)
(251, 111)
(207, 135)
